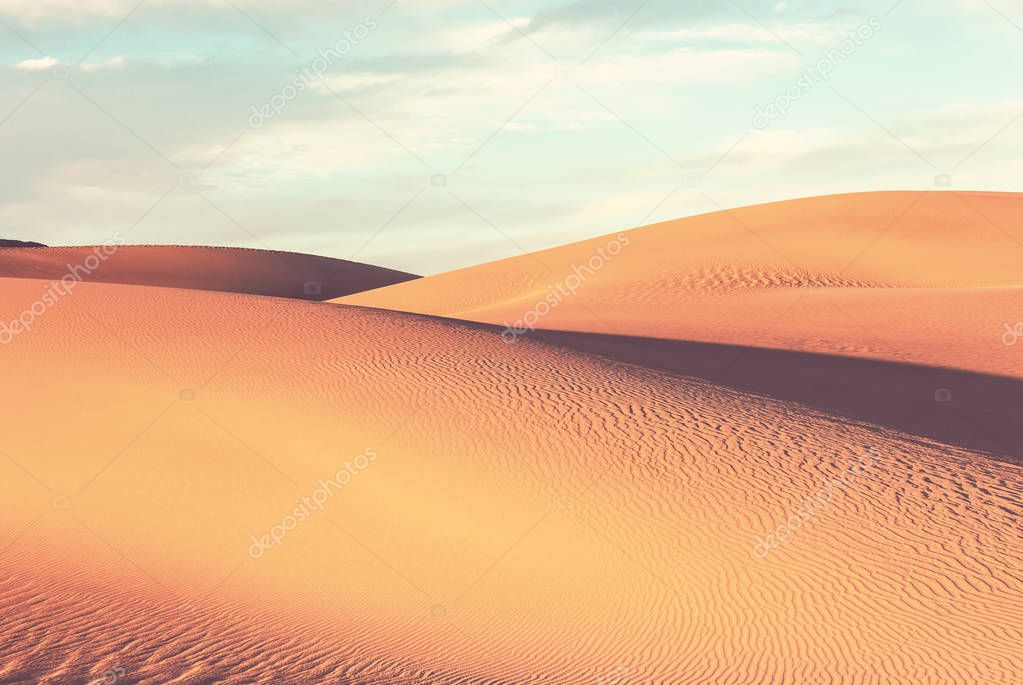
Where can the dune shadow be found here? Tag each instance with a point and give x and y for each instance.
(967, 409)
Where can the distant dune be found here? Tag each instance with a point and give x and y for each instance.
(224, 269)
(859, 304)
(19, 243)
(889, 239)
(497, 513)
(801, 274)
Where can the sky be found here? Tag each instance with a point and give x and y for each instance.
(429, 135)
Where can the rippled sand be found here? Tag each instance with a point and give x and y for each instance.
(925, 277)
(778, 445)
(531, 513)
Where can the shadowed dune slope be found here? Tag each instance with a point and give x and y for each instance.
(225, 269)
(925, 277)
(4, 242)
(977, 411)
(475, 512)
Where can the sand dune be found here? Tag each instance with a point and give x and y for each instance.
(224, 269)
(776, 444)
(511, 513)
(925, 277)
(877, 306)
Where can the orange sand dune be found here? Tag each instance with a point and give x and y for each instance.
(225, 269)
(810, 300)
(925, 277)
(498, 513)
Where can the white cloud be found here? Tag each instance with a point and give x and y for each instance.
(688, 67)
(356, 81)
(112, 63)
(47, 63)
(74, 11)
(747, 33)
(32, 11)
(470, 37)
(39, 64)
(950, 136)
(287, 151)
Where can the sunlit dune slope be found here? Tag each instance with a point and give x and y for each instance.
(225, 269)
(507, 513)
(926, 277)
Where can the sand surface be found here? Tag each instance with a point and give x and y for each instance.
(224, 269)
(666, 482)
(870, 305)
(529, 514)
(879, 275)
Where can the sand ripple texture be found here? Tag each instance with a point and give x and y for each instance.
(529, 514)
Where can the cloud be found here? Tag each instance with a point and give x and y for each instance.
(47, 63)
(744, 33)
(70, 11)
(613, 13)
(75, 11)
(463, 90)
(39, 64)
(112, 63)
(950, 137)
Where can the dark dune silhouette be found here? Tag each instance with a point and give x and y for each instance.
(5, 242)
(223, 269)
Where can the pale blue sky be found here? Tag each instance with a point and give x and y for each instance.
(549, 122)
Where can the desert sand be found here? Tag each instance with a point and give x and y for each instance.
(866, 304)
(224, 269)
(797, 275)
(206, 487)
